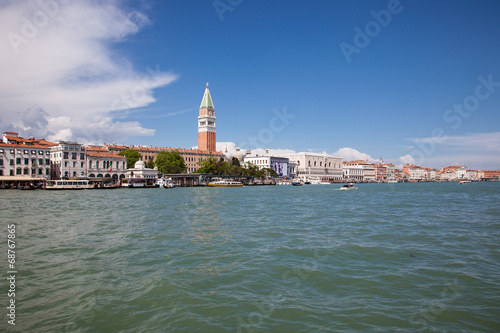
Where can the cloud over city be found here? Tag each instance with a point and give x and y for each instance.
(61, 77)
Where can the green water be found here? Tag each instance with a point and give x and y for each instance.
(382, 258)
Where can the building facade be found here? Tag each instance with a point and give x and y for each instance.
(316, 166)
(24, 157)
(68, 160)
(206, 124)
(102, 163)
(281, 165)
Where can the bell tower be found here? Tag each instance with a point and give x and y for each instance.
(206, 123)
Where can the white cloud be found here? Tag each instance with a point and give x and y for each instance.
(407, 159)
(57, 60)
(351, 154)
(231, 149)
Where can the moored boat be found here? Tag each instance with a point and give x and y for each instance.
(225, 183)
(68, 185)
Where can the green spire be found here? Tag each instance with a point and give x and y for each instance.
(206, 102)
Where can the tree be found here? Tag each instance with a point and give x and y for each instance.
(234, 161)
(150, 164)
(208, 165)
(170, 162)
(132, 156)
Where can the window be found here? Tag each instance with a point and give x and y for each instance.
(12, 151)
(11, 162)
(47, 153)
(33, 152)
(82, 164)
(97, 164)
(66, 155)
(1, 161)
(66, 165)
(82, 156)
(314, 163)
(26, 161)
(12, 172)
(1, 150)
(73, 156)
(47, 162)
(74, 164)
(40, 152)
(25, 151)
(90, 164)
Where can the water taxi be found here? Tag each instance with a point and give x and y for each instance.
(349, 186)
(68, 185)
(225, 183)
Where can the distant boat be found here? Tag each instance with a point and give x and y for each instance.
(297, 184)
(225, 183)
(349, 186)
(68, 185)
(392, 181)
(464, 182)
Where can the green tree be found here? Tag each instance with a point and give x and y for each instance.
(234, 161)
(170, 162)
(132, 156)
(150, 164)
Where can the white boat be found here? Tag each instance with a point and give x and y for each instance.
(139, 182)
(225, 183)
(68, 185)
(392, 181)
(349, 186)
(315, 181)
(462, 182)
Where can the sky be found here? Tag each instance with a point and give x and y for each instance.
(406, 81)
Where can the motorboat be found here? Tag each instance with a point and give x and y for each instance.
(296, 183)
(349, 186)
(462, 182)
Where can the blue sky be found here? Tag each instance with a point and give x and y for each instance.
(134, 72)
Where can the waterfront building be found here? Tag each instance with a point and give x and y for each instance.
(281, 165)
(317, 166)
(191, 156)
(102, 163)
(140, 176)
(369, 174)
(206, 124)
(415, 172)
(24, 157)
(353, 173)
(454, 172)
(68, 160)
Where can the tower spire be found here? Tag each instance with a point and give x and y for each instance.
(206, 123)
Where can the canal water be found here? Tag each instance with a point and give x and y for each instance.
(382, 258)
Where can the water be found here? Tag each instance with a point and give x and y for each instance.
(383, 258)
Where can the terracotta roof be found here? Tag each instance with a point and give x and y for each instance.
(103, 154)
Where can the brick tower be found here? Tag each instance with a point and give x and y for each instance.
(206, 123)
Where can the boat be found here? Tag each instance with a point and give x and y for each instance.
(225, 183)
(349, 186)
(139, 183)
(314, 181)
(392, 181)
(165, 183)
(464, 182)
(68, 185)
(296, 183)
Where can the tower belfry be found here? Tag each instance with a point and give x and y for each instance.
(206, 123)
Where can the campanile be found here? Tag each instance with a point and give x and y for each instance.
(206, 123)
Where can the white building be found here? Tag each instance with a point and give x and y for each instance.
(281, 165)
(140, 171)
(355, 173)
(313, 166)
(69, 160)
(24, 157)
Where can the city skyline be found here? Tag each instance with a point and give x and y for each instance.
(411, 82)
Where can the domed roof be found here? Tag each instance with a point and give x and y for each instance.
(239, 154)
(140, 165)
